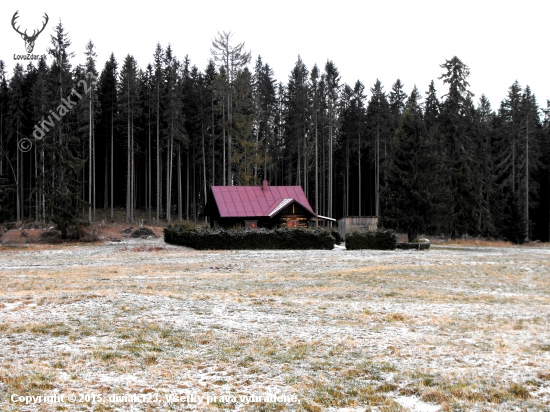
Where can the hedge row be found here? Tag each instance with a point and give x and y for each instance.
(382, 239)
(336, 235)
(216, 239)
(414, 245)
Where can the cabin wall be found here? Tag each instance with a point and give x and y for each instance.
(293, 216)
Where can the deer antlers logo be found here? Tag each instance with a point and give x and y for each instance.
(29, 40)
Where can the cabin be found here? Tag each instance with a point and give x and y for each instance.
(261, 206)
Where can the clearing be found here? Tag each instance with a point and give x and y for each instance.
(142, 325)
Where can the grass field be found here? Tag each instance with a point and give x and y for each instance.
(462, 327)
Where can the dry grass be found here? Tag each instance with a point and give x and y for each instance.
(474, 242)
(362, 330)
(480, 242)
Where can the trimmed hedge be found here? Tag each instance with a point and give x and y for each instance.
(218, 239)
(420, 245)
(382, 239)
(336, 235)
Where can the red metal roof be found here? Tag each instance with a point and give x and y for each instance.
(254, 201)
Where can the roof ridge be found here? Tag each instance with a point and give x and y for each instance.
(274, 205)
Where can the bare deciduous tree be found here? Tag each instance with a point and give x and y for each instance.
(233, 59)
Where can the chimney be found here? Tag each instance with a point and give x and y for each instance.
(265, 186)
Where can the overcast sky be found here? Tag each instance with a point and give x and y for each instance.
(500, 41)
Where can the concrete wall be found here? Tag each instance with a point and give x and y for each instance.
(350, 224)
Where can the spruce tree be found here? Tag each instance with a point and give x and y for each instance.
(6, 203)
(543, 229)
(332, 77)
(379, 137)
(352, 144)
(130, 110)
(41, 103)
(517, 155)
(530, 157)
(173, 118)
(431, 107)
(264, 107)
(16, 134)
(455, 125)
(246, 154)
(107, 95)
(147, 99)
(3, 112)
(408, 191)
(159, 98)
(64, 149)
(296, 123)
(486, 181)
(88, 115)
(397, 99)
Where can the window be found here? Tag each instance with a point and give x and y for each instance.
(251, 224)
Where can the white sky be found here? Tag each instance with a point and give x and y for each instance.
(500, 41)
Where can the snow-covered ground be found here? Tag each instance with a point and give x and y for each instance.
(142, 325)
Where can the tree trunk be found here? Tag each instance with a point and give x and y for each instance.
(90, 159)
(514, 165)
(18, 180)
(170, 148)
(323, 175)
(212, 134)
(22, 187)
(187, 184)
(106, 181)
(93, 175)
(2, 142)
(132, 193)
(112, 164)
(347, 177)
(330, 203)
(229, 144)
(359, 169)
(194, 207)
(305, 161)
(298, 167)
(527, 183)
(224, 164)
(128, 169)
(180, 202)
(316, 170)
(159, 170)
(203, 160)
(412, 234)
(42, 185)
(149, 173)
(377, 181)
(37, 195)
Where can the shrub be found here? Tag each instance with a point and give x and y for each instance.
(143, 232)
(382, 239)
(336, 235)
(10, 226)
(86, 233)
(50, 236)
(418, 244)
(217, 239)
